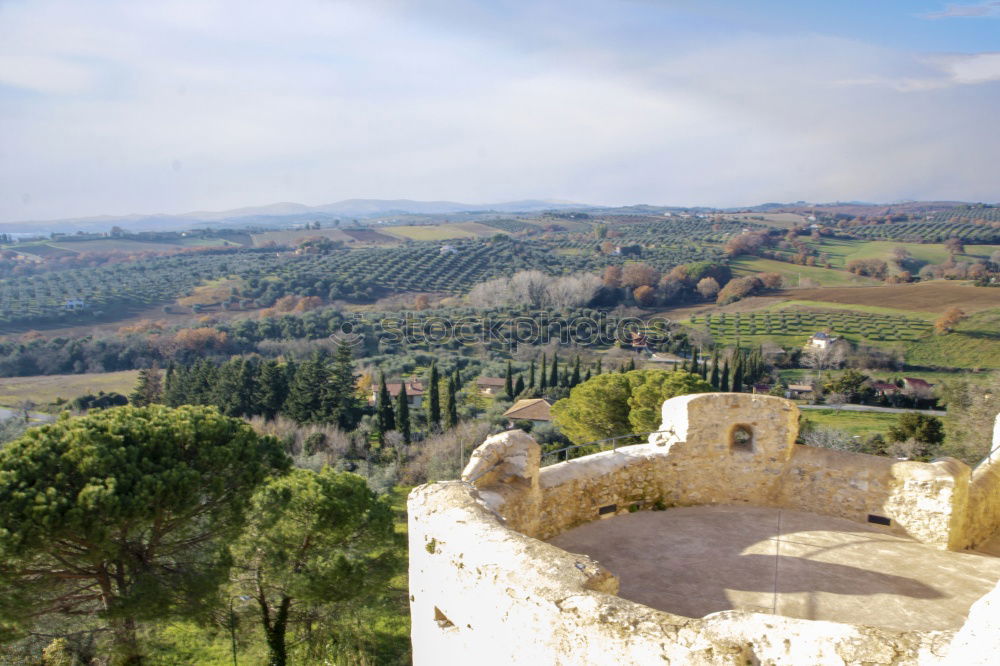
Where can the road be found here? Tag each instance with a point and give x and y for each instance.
(873, 408)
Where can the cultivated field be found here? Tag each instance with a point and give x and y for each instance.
(441, 231)
(45, 389)
(781, 220)
(293, 236)
(935, 296)
(799, 276)
(840, 251)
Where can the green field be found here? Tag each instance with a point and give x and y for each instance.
(799, 276)
(442, 231)
(862, 424)
(794, 325)
(841, 251)
(45, 389)
(974, 344)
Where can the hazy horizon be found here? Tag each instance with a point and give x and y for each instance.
(117, 108)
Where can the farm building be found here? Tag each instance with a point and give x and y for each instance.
(821, 340)
(536, 410)
(414, 392)
(490, 385)
(798, 390)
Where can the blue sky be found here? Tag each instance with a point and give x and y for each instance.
(114, 106)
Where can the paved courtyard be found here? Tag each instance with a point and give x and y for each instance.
(693, 561)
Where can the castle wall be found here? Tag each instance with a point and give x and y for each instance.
(485, 590)
(482, 593)
(984, 496)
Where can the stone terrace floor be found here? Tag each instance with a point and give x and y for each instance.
(693, 561)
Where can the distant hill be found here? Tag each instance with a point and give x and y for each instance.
(281, 214)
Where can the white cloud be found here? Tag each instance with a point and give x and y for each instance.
(976, 10)
(176, 106)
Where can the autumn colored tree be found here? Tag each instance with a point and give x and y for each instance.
(708, 288)
(638, 274)
(946, 323)
(644, 295)
(613, 276)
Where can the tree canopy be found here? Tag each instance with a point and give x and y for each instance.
(621, 403)
(315, 540)
(125, 513)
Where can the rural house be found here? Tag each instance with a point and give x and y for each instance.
(414, 392)
(536, 410)
(490, 385)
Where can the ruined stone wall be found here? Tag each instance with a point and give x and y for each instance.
(984, 496)
(695, 462)
(484, 594)
(484, 591)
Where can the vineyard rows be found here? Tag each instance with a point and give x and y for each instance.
(930, 231)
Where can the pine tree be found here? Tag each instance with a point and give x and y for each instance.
(508, 384)
(544, 380)
(175, 386)
(531, 375)
(403, 413)
(308, 391)
(519, 386)
(554, 371)
(148, 388)
(450, 406)
(340, 399)
(272, 387)
(434, 397)
(575, 379)
(724, 381)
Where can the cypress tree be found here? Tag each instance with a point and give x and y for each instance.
(508, 384)
(385, 420)
(631, 364)
(694, 359)
(599, 370)
(724, 381)
(554, 371)
(586, 377)
(543, 380)
(450, 406)
(736, 379)
(519, 385)
(174, 389)
(704, 369)
(531, 375)
(403, 413)
(715, 368)
(575, 379)
(434, 397)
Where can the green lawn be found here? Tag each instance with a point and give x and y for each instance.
(863, 424)
(799, 276)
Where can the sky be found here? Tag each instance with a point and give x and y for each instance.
(111, 107)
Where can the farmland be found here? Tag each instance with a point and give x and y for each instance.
(840, 251)
(797, 324)
(799, 276)
(934, 296)
(45, 389)
(431, 232)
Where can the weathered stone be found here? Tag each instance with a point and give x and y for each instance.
(484, 590)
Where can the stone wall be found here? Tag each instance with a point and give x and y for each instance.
(484, 594)
(984, 503)
(483, 589)
(696, 463)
